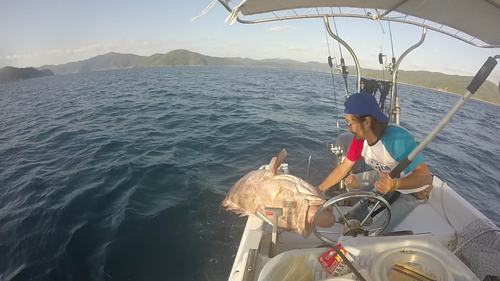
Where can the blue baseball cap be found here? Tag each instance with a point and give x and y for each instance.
(364, 104)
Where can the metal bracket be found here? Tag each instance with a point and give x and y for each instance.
(250, 265)
(274, 238)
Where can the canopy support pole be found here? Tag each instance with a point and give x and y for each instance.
(395, 113)
(358, 70)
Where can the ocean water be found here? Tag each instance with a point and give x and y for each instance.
(119, 175)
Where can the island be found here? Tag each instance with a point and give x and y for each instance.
(12, 74)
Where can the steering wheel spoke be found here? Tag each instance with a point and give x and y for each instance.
(338, 210)
(331, 232)
(378, 200)
(370, 213)
(372, 232)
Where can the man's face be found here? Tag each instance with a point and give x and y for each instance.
(355, 126)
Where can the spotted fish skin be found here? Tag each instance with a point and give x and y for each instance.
(260, 189)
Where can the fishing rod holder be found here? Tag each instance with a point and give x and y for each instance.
(335, 149)
(354, 57)
(337, 158)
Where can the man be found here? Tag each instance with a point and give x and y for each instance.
(382, 146)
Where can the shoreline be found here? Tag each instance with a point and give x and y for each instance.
(451, 93)
(337, 74)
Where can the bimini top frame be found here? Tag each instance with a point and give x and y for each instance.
(475, 22)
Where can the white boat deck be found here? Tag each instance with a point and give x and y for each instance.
(443, 217)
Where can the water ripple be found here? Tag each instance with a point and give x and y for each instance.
(119, 175)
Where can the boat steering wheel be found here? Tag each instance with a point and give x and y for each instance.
(351, 195)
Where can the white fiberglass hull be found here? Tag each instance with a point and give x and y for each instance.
(446, 218)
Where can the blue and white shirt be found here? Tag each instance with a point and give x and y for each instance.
(395, 145)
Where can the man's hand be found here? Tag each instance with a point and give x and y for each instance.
(385, 184)
(336, 175)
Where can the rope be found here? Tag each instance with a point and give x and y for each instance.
(479, 234)
(233, 16)
(207, 9)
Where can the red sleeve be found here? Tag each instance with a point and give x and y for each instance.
(355, 149)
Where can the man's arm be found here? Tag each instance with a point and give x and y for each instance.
(419, 177)
(336, 175)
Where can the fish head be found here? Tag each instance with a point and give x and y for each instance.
(242, 195)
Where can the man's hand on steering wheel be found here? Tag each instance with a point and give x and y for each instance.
(386, 184)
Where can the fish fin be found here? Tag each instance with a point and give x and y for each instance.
(229, 205)
(275, 163)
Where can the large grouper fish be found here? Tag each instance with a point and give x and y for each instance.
(260, 189)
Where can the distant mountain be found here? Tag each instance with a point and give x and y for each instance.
(284, 63)
(433, 80)
(120, 61)
(103, 62)
(11, 74)
(454, 84)
(184, 57)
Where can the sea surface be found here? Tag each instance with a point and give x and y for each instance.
(119, 175)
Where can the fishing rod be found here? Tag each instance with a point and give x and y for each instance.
(392, 47)
(330, 63)
(343, 68)
(381, 56)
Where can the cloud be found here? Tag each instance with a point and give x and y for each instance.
(289, 48)
(87, 48)
(297, 49)
(234, 43)
(280, 28)
(435, 50)
(37, 54)
(207, 38)
(13, 57)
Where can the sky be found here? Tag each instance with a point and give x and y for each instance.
(36, 33)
